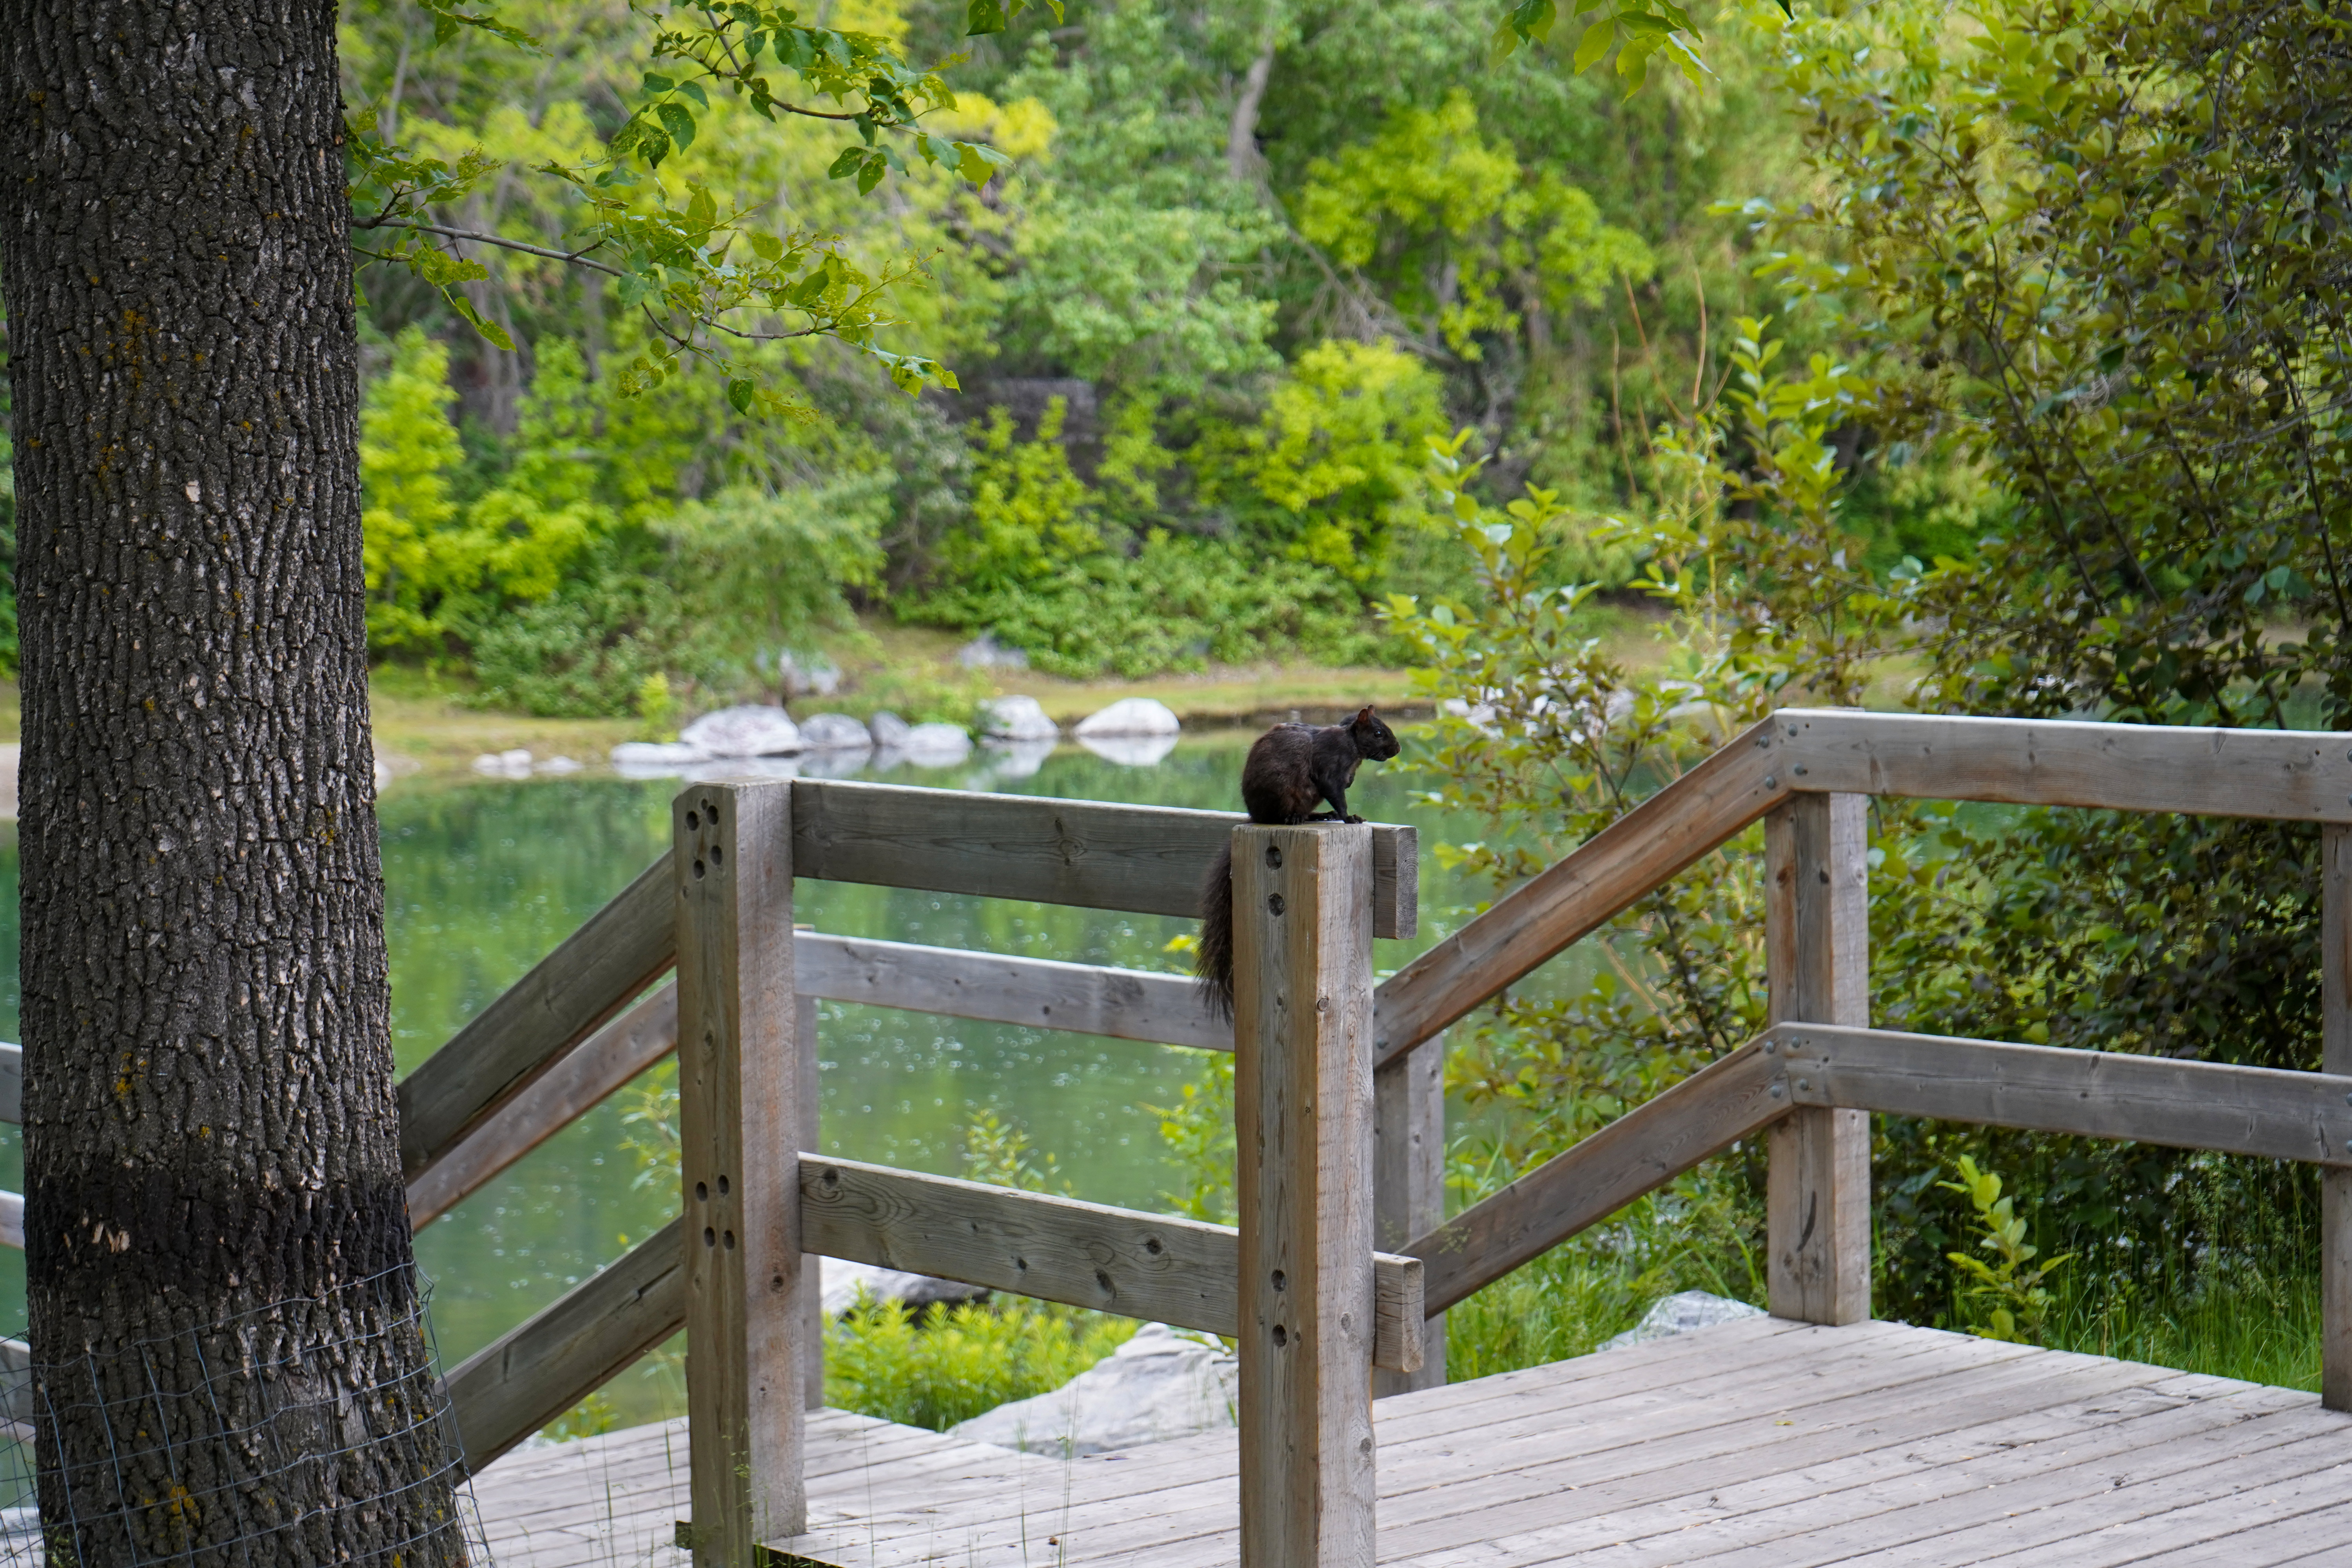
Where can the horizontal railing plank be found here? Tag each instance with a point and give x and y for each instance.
(1144, 859)
(542, 1367)
(2094, 1094)
(2293, 775)
(593, 972)
(576, 1083)
(1640, 1151)
(1044, 993)
(1083, 998)
(1169, 1270)
(1582, 892)
(12, 1082)
(12, 1220)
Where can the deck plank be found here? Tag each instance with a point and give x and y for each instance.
(1756, 1444)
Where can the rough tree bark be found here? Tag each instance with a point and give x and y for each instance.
(215, 1232)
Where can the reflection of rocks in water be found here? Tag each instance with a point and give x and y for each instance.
(1129, 751)
(1017, 759)
(719, 768)
(935, 745)
(834, 763)
(655, 760)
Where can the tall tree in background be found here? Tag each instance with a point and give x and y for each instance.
(210, 1135)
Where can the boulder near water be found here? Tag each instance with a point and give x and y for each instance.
(752, 730)
(1160, 1384)
(1016, 719)
(1130, 716)
(833, 733)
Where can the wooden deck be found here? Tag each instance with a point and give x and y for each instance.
(1754, 1444)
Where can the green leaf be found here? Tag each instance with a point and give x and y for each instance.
(766, 247)
(849, 160)
(877, 165)
(984, 16)
(679, 120)
(657, 82)
(975, 164)
(1594, 46)
(693, 90)
(739, 393)
(488, 329)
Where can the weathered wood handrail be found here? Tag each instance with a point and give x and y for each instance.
(567, 1351)
(547, 1050)
(1156, 1267)
(1085, 998)
(1581, 893)
(2281, 774)
(1640, 1151)
(592, 974)
(1146, 859)
(2220, 1105)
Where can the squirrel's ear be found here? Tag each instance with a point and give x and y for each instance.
(1367, 713)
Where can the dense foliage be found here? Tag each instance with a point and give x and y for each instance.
(2088, 264)
(1184, 293)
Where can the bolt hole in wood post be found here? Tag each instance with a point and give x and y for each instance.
(1303, 1115)
(2335, 1056)
(1817, 963)
(740, 1120)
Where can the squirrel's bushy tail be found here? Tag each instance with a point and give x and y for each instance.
(1213, 963)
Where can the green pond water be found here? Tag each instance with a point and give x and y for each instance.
(483, 877)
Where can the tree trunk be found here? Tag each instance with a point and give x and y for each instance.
(221, 1289)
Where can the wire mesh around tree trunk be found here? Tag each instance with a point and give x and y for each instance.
(262, 1442)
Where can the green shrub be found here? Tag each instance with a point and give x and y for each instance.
(951, 1363)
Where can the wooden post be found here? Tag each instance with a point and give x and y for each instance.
(811, 1305)
(1817, 961)
(740, 1121)
(1303, 1116)
(1409, 1182)
(2335, 1056)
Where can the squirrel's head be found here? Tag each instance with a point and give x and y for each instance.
(1375, 742)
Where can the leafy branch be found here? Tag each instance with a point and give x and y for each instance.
(712, 284)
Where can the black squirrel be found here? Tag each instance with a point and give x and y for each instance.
(1289, 769)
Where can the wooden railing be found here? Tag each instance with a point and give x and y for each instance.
(591, 1017)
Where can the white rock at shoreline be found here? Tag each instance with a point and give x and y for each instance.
(1016, 719)
(515, 763)
(752, 730)
(888, 730)
(833, 733)
(1682, 1313)
(1160, 1384)
(1130, 716)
